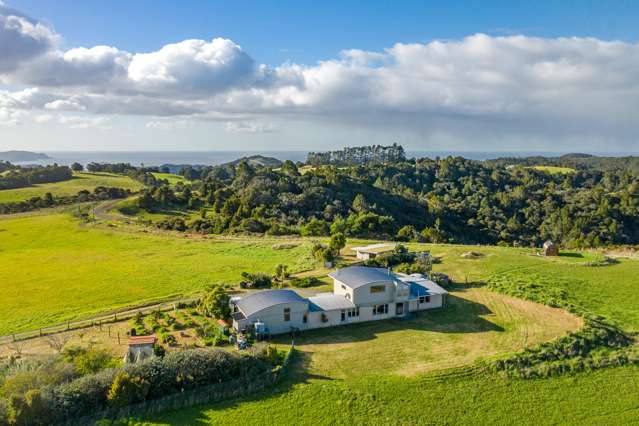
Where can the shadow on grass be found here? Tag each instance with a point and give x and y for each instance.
(458, 316)
(297, 374)
(571, 254)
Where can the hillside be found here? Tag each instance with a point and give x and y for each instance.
(17, 156)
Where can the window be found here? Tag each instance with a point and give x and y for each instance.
(424, 299)
(287, 314)
(343, 315)
(348, 296)
(378, 289)
(305, 318)
(343, 287)
(354, 312)
(380, 309)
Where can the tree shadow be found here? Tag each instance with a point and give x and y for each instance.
(459, 316)
(571, 254)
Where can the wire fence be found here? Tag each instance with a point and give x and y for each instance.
(98, 321)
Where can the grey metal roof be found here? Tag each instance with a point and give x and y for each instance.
(329, 302)
(357, 276)
(420, 285)
(260, 300)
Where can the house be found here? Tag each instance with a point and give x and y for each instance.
(140, 348)
(372, 251)
(550, 249)
(359, 294)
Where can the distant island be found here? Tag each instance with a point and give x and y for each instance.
(13, 156)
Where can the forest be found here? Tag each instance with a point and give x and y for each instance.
(447, 200)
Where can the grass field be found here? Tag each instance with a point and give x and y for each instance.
(172, 178)
(80, 181)
(52, 269)
(554, 170)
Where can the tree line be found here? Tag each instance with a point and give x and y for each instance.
(447, 200)
(351, 156)
(21, 177)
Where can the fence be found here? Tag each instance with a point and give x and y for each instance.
(201, 395)
(97, 321)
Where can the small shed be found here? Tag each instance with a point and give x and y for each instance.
(140, 348)
(550, 249)
(372, 251)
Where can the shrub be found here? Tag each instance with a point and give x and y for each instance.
(126, 390)
(305, 282)
(90, 360)
(153, 378)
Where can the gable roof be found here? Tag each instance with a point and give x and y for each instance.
(142, 340)
(255, 302)
(357, 276)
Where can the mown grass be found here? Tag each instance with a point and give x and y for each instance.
(80, 181)
(476, 324)
(52, 269)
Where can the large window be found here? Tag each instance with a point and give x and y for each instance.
(287, 314)
(353, 313)
(378, 288)
(424, 299)
(380, 309)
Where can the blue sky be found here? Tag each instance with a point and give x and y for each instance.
(308, 31)
(463, 75)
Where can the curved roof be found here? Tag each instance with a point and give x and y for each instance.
(255, 302)
(357, 276)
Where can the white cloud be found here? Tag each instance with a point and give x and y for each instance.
(248, 127)
(21, 38)
(478, 87)
(72, 104)
(82, 122)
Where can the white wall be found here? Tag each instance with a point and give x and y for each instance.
(363, 296)
(436, 301)
(273, 317)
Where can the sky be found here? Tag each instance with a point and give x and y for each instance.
(301, 75)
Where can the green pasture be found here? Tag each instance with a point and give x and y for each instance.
(53, 269)
(170, 177)
(80, 181)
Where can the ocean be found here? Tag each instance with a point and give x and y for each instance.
(157, 158)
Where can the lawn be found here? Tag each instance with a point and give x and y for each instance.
(170, 177)
(80, 181)
(52, 269)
